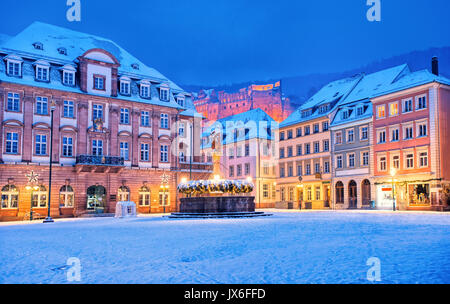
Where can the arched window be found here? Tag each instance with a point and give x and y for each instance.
(339, 193)
(10, 197)
(123, 194)
(144, 196)
(39, 199)
(66, 197)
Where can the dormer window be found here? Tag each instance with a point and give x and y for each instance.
(14, 65)
(164, 93)
(42, 70)
(306, 113)
(180, 100)
(38, 45)
(99, 82)
(359, 110)
(125, 85)
(345, 114)
(69, 78)
(135, 66)
(62, 51)
(68, 75)
(145, 89)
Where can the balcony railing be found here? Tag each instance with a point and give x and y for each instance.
(99, 160)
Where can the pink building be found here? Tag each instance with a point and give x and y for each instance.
(411, 132)
(247, 146)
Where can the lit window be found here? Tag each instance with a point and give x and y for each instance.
(66, 197)
(10, 197)
(381, 111)
(39, 198)
(393, 109)
(144, 196)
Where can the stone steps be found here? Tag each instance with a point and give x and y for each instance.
(180, 215)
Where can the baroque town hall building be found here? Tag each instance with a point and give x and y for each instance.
(121, 130)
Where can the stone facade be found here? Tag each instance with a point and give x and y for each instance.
(110, 142)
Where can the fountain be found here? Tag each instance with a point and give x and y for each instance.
(216, 197)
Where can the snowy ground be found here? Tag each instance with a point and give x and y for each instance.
(290, 247)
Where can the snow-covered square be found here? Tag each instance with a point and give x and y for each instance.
(288, 247)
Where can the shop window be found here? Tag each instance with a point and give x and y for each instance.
(419, 194)
(10, 197)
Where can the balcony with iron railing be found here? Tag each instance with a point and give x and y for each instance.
(99, 164)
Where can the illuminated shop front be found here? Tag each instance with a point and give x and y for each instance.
(419, 194)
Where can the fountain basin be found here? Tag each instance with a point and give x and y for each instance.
(217, 204)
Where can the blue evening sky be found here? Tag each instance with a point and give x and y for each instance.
(210, 42)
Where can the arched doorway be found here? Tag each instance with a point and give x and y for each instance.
(96, 198)
(339, 193)
(352, 195)
(365, 192)
(123, 194)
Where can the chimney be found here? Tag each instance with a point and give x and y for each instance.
(435, 66)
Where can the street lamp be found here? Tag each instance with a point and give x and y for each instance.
(393, 172)
(164, 188)
(49, 219)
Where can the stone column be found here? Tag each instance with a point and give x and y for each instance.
(135, 115)
(82, 123)
(114, 130)
(28, 126)
(156, 116)
(56, 132)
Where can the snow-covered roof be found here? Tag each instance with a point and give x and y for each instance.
(329, 94)
(76, 43)
(256, 121)
(376, 82)
(411, 80)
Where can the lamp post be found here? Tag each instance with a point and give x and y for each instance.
(49, 219)
(32, 184)
(393, 172)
